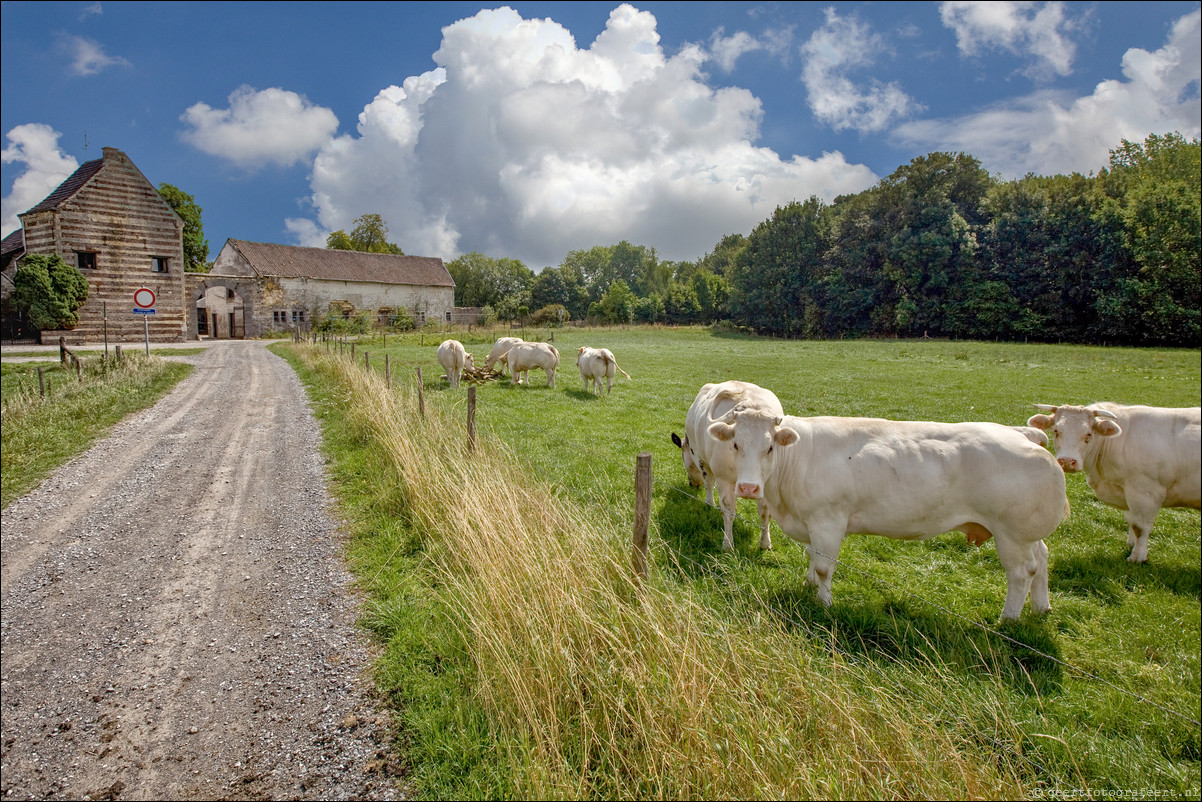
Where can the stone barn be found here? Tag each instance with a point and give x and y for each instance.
(108, 220)
(258, 287)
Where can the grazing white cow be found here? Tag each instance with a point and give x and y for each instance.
(523, 356)
(596, 364)
(1136, 458)
(710, 461)
(827, 477)
(500, 350)
(454, 358)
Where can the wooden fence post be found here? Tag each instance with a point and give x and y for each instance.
(642, 513)
(421, 399)
(78, 368)
(366, 361)
(119, 357)
(41, 383)
(387, 372)
(471, 418)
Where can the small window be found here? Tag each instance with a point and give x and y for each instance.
(229, 293)
(298, 315)
(159, 264)
(85, 260)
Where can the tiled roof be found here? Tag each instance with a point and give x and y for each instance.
(292, 261)
(13, 243)
(69, 187)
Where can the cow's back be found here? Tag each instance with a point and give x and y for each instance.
(1157, 444)
(914, 478)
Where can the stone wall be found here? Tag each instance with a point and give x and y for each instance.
(119, 217)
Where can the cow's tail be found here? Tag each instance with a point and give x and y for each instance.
(624, 373)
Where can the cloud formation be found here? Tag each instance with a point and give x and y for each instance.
(1048, 132)
(1037, 30)
(271, 126)
(86, 56)
(522, 144)
(841, 46)
(36, 146)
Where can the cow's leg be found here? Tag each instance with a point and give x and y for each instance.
(765, 536)
(1040, 600)
(1023, 564)
(824, 551)
(1141, 515)
(726, 499)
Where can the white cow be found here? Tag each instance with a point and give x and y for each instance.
(827, 477)
(1136, 458)
(500, 350)
(710, 461)
(596, 364)
(454, 358)
(523, 356)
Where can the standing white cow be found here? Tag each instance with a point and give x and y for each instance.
(1135, 458)
(499, 352)
(523, 356)
(596, 364)
(827, 477)
(454, 358)
(710, 461)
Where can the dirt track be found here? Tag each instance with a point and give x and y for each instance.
(177, 618)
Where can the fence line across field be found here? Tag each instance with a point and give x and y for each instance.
(640, 566)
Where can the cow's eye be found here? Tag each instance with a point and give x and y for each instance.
(769, 449)
(736, 445)
(1088, 435)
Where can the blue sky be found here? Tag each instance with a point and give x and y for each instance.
(531, 129)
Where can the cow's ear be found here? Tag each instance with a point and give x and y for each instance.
(1040, 422)
(676, 441)
(785, 437)
(721, 431)
(1106, 428)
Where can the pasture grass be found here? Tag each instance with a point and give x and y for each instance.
(39, 434)
(523, 663)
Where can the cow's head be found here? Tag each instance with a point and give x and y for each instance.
(752, 438)
(1074, 430)
(692, 467)
(467, 362)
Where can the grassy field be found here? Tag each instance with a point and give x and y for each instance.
(520, 666)
(39, 434)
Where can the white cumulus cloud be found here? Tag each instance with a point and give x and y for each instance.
(1038, 30)
(36, 146)
(1049, 132)
(269, 126)
(832, 54)
(523, 144)
(87, 56)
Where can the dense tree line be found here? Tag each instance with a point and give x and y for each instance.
(939, 248)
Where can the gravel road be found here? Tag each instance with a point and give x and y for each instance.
(177, 619)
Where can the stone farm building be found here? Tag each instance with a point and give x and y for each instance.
(108, 220)
(256, 287)
(111, 223)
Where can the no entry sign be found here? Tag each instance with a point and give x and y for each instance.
(144, 298)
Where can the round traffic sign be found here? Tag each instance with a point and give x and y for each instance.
(144, 298)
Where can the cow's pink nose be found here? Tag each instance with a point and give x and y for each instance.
(748, 490)
(1067, 463)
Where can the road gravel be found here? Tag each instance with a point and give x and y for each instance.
(177, 617)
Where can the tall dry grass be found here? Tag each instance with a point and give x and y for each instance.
(598, 686)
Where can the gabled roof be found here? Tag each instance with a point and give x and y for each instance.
(293, 261)
(73, 184)
(14, 243)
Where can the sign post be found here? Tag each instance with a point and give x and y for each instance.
(144, 305)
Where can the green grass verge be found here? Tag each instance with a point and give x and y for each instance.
(911, 633)
(39, 434)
